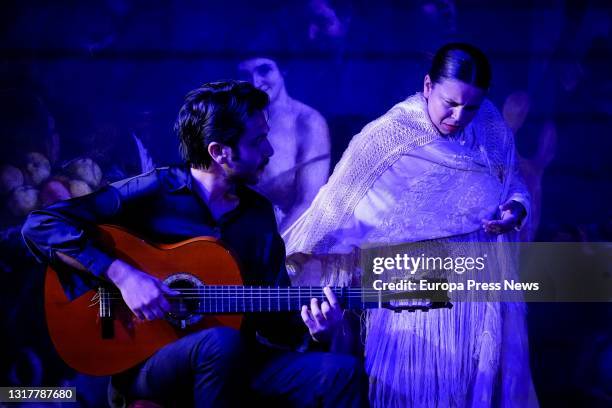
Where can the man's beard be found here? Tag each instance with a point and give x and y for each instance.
(251, 179)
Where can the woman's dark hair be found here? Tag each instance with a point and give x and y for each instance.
(462, 62)
(215, 112)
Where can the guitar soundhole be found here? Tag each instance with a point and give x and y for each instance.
(185, 307)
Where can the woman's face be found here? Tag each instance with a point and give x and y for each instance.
(451, 104)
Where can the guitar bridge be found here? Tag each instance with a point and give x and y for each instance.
(107, 327)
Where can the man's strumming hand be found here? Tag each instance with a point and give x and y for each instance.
(143, 294)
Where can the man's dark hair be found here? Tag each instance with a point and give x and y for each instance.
(463, 62)
(215, 112)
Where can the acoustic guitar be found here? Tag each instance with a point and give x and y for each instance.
(97, 334)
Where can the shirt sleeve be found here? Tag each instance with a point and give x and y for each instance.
(67, 227)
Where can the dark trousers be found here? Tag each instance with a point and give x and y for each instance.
(213, 368)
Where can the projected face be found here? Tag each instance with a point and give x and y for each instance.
(451, 104)
(264, 74)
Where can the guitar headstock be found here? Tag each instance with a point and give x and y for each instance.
(410, 301)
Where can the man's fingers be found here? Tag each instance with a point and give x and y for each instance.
(139, 315)
(159, 306)
(307, 318)
(137, 310)
(161, 313)
(157, 312)
(148, 313)
(164, 305)
(331, 297)
(168, 295)
(152, 310)
(316, 310)
(326, 310)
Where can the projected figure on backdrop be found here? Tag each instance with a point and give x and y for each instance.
(440, 168)
(300, 138)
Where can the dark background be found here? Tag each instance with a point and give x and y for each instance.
(91, 65)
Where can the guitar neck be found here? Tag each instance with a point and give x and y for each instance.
(218, 299)
(244, 299)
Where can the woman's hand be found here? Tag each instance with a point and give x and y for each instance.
(512, 214)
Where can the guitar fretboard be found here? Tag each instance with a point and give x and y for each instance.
(217, 299)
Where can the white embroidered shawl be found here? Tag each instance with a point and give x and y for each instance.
(424, 359)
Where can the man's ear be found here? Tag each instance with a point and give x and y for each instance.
(220, 153)
(427, 86)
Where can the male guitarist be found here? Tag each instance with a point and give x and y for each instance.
(222, 132)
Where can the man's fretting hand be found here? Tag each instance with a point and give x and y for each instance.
(322, 320)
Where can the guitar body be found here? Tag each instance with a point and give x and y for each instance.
(76, 327)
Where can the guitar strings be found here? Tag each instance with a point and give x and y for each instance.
(230, 295)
